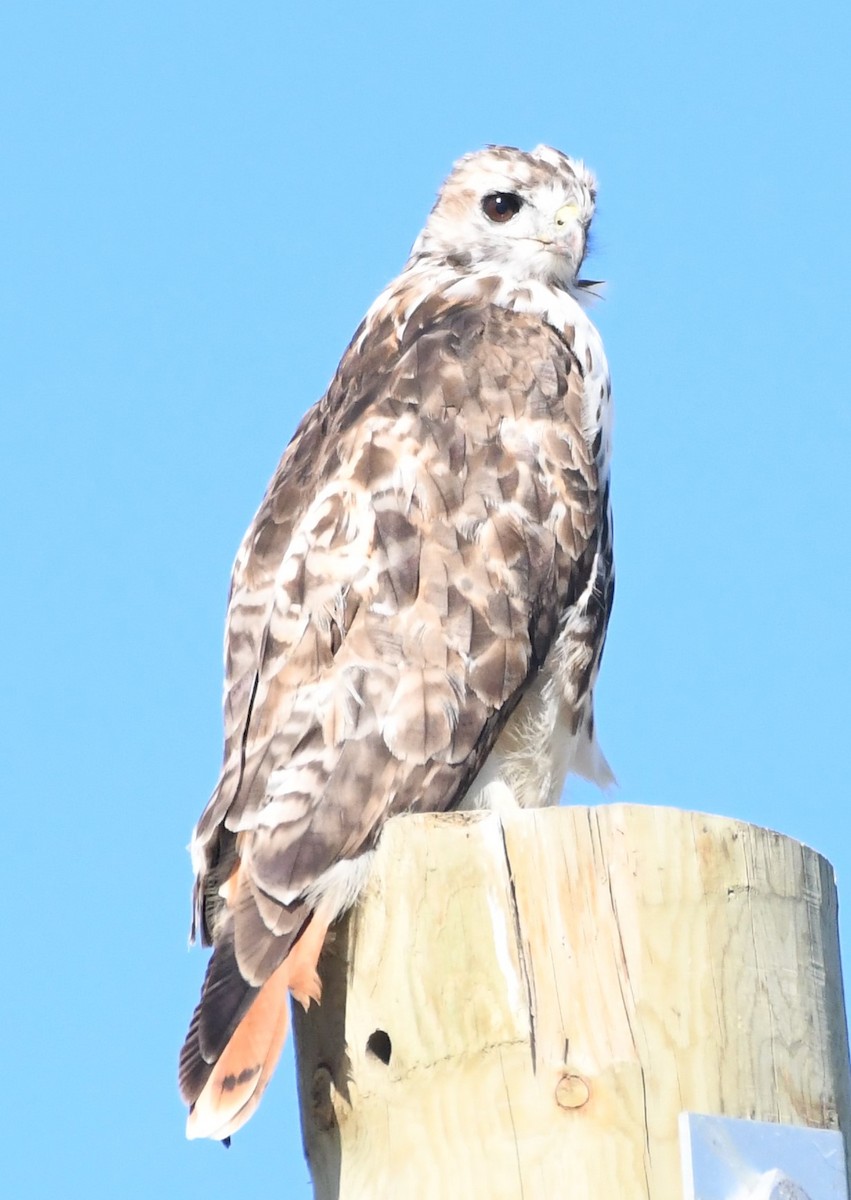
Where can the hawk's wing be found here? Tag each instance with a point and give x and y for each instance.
(427, 530)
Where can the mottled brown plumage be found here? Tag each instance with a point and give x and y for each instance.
(418, 609)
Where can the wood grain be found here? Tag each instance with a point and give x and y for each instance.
(552, 988)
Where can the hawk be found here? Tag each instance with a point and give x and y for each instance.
(418, 609)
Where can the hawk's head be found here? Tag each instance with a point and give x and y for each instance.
(522, 216)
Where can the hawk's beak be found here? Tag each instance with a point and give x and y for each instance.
(565, 217)
(566, 214)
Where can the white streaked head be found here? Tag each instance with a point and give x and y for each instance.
(523, 216)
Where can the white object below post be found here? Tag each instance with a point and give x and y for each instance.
(728, 1159)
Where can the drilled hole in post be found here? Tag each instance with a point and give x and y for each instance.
(378, 1044)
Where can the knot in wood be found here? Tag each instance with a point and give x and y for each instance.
(572, 1091)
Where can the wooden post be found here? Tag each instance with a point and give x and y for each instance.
(519, 1007)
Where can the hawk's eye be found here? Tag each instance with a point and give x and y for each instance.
(501, 206)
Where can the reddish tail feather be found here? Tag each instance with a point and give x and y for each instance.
(224, 1093)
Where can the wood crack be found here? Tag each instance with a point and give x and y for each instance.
(525, 966)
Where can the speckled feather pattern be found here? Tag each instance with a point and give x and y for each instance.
(426, 584)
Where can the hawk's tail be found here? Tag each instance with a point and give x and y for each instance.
(237, 1033)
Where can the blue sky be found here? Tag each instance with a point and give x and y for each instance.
(200, 201)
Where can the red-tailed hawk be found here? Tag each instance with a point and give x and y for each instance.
(417, 612)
